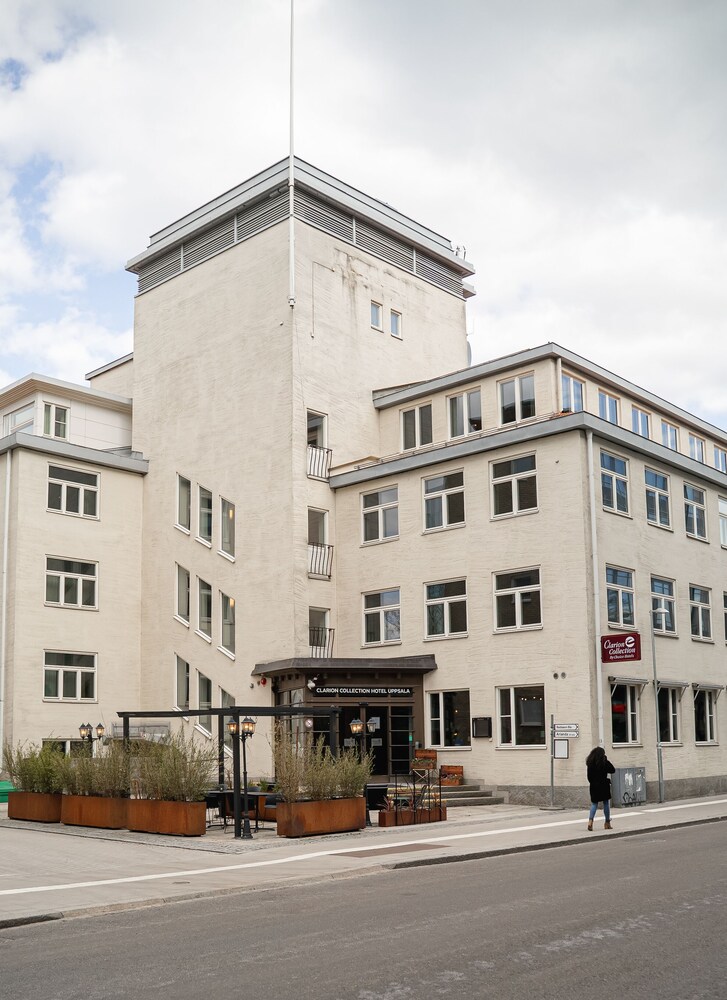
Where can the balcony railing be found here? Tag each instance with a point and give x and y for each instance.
(320, 560)
(319, 462)
(320, 640)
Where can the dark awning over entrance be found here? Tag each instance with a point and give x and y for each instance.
(343, 666)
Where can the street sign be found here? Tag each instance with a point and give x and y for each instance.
(567, 735)
(565, 727)
(560, 749)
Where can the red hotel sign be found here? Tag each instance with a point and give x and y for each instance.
(621, 647)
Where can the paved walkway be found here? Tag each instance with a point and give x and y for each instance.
(50, 872)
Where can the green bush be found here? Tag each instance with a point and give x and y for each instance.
(34, 769)
(105, 774)
(309, 770)
(177, 769)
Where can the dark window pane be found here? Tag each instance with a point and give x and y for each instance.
(458, 616)
(502, 495)
(455, 508)
(527, 493)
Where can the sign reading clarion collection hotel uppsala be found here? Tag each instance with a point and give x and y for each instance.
(620, 648)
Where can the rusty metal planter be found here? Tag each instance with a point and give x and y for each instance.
(40, 807)
(182, 819)
(408, 817)
(304, 819)
(94, 810)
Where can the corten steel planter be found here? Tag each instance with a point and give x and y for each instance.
(94, 810)
(408, 817)
(41, 807)
(182, 819)
(304, 819)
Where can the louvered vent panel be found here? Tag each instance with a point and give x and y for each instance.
(324, 216)
(439, 274)
(385, 246)
(254, 220)
(209, 243)
(160, 270)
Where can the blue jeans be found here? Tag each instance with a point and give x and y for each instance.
(606, 810)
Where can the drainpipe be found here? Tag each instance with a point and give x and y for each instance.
(4, 596)
(291, 173)
(596, 586)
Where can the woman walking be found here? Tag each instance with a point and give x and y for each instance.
(598, 768)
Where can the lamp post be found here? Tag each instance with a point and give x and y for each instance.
(85, 731)
(358, 731)
(244, 730)
(659, 761)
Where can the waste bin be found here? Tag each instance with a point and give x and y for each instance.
(5, 787)
(628, 786)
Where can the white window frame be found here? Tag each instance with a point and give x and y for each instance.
(396, 324)
(517, 595)
(519, 401)
(720, 459)
(378, 515)
(658, 495)
(608, 406)
(387, 612)
(89, 669)
(441, 503)
(724, 605)
(377, 315)
(663, 598)
(669, 435)
(227, 624)
(518, 475)
(464, 413)
(640, 422)
(182, 590)
(447, 601)
(182, 673)
(708, 697)
(573, 393)
(63, 477)
(423, 434)
(227, 534)
(204, 589)
(184, 507)
(669, 714)
(615, 477)
(722, 514)
(697, 448)
(620, 583)
(443, 706)
(51, 412)
(633, 721)
(693, 507)
(204, 512)
(20, 419)
(203, 704)
(79, 576)
(517, 706)
(700, 613)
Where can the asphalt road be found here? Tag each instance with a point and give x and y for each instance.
(640, 917)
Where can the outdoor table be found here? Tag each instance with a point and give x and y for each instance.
(223, 801)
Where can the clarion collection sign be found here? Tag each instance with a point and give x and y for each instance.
(620, 647)
(364, 692)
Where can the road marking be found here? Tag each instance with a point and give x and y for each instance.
(334, 852)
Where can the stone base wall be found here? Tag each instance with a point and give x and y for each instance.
(578, 797)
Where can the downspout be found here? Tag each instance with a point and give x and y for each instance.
(596, 586)
(291, 178)
(4, 595)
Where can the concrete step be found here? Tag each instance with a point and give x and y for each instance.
(479, 800)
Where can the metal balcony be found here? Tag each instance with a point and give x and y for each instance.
(319, 462)
(320, 560)
(320, 640)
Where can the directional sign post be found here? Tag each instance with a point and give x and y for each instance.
(560, 733)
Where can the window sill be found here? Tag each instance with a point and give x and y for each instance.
(523, 746)
(707, 743)
(696, 538)
(626, 746)
(701, 638)
(439, 638)
(226, 652)
(514, 513)
(444, 527)
(517, 628)
(184, 708)
(665, 635)
(664, 527)
(207, 638)
(203, 541)
(379, 541)
(462, 749)
(180, 527)
(226, 555)
(69, 607)
(181, 620)
(70, 701)
(73, 513)
(618, 513)
(201, 729)
(620, 627)
(377, 645)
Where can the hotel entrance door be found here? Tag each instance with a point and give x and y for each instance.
(390, 740)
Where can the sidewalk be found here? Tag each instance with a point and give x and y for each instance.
(48, 873)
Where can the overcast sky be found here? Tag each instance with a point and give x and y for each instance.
(576, 149)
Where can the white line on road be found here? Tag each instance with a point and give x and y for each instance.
(313, 855)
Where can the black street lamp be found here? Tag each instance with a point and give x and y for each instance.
(244, 730)
(358, 731)
(85, 731)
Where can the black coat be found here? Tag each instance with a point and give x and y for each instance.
(599, 781)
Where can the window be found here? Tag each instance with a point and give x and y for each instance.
(724, 604)
(182, 683)
(449, 718)
(705, 706)
(204, 608)
(723, 521)
(381, 514)
(662, 600)
(625, 713)
(669, 435)
(696, 448)
(446, 609)
(395, 323)
(184, 503)
(70, 584)
(204, 701)
(320, 636)
(669, 714)
(517, 599)
(416, 426)
(607, 407)
(444, 501)
(71, 491)
(695, 512)
(657, 498)
(227, 527)
(465, 413)
(320, 553)
(319, 455)
(55, 421)
(699, 612)
(228, 622)
(720, 459)
(182, 607)
(640, 421)
(521, 716)
(69, 676)
(377, 316)
(316, 429)
(19, 420)
(614, 483)
(620, 596)
(226, 701)
(517, 399)
(382, 617)
(514, 488)
(573, 392)
(205, 515)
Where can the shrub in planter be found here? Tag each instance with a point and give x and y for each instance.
(36, 774)
(96, 787)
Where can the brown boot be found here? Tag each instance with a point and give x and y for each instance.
(607, 825)
(590, 824)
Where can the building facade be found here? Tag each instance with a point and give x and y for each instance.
(306, 510)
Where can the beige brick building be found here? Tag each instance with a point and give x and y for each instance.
(321, 503)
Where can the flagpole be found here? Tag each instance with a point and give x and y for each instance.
(291, 174)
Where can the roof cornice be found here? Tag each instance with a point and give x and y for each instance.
(33, 383)
(74, 452)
